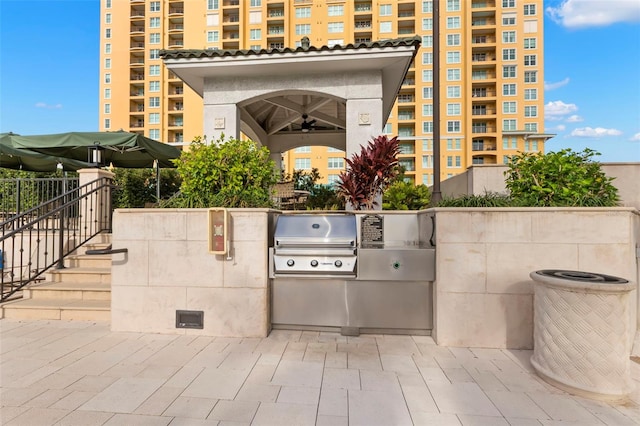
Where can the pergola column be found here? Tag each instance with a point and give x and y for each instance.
(365, 122)
(221, 119)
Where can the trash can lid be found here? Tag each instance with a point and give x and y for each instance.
(582, 276)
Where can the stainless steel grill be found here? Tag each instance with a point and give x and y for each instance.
(315, 245)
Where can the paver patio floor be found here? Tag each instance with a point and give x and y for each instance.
(81, 373)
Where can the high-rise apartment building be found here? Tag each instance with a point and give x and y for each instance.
(490, 54)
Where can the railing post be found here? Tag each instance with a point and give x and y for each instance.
(94, 211)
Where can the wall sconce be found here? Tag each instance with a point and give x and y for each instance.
(96, 154)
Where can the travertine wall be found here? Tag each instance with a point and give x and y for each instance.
(168, 268)
(483, 293)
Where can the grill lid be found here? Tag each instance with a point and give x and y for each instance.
(316, 230)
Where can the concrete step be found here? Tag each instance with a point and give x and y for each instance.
(88, 261)
(67, 291)
(91, 246)
(82, 310)
(79, 275)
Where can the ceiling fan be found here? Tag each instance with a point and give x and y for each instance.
(306, 126)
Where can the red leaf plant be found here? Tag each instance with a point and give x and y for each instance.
(369, 172)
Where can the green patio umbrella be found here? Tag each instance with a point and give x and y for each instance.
(121, 149)
(31, 161)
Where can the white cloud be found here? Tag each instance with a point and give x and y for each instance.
(574, 119)
(561, 127)
(47, 106)
(552, 86)
(591, 13)
(556, 110)
(635, 137)
(588, 132)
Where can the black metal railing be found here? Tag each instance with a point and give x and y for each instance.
(41, 237)
(22, 194)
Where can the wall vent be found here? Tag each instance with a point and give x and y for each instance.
(190, 319)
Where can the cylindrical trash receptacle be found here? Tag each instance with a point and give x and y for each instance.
(581, 333)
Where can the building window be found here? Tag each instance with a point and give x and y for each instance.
(332, 149)
(454, 144)
(213, 4)
(336, 27)
(453, 5)
(107, 33)
(154, 102)
(427, 127)
(531, 111)
(154, 54)
(107, 63)
(427, 76)
(509, 107)
(255, 34)
(303, 12)
(453, 109)
(530, 26)
(107, 123)
(508, 54)
(108, 4)
(530, 43)
(427, 24)
(427, 58)
(302, 149)
(335, 42)
(427, 145)
(453, 22)
(508, 3)
(531, 76)
(453, 57)
(303, 29)
(508, 20)
(453, 126)
(508, 36)
(385, 10)
(509, 143)
(154, 70)
(509, 125)
(449, 160)
(531, 94)
(454, 74)
(509, 89)
(107, 93)
(107, 48)
(213, 36)
(107, 18)
(453, 40)
(154, 22)
(302, 163)
(255, 3)
(427, 6)
(509, 71)
(336, 10)
(154, 38)
(388, 129)
(427, 161)
(532, 127)
(154, 6)
(107, 108)
(427, 93)
(385, 27)
(530, 60)
(427, 41)
(154, 86)
(154, 118)
(427, 110)
(453, 91)
(107, 78)
(335, 163)
(529, 9)
(154, 134)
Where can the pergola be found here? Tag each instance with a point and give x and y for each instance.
(339, 96)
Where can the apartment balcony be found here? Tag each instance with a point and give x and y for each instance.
(479, 128)
(275, 30)
(408, 82)
(136, 1)
(231, 3)
(136, 63)
(173, 11)
(482, 4)
(483, 145)
(137, 12)
(483, 23)
(137, 45)
(136, 91)
(136, 77)
(176, 122)
(136, 108)
(231, 36)
(482, 93)
(176, 28)
(482, 111)
(176, 90)
(483, 40)
(137, 29)
(407, 148)
(362, 7)
(408, 164)
(482, 58)
(363, 39)
(276, 45)
(406, 99)
(175, 43)
(175, 108)
(362, 26)
(275, 14)
(484, 159)
(231, 19)
(136, 124)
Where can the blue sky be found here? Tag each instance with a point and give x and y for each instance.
(49, 71)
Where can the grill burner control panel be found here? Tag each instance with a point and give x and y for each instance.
(313, 263)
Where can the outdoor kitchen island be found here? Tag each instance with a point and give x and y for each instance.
(354, 273)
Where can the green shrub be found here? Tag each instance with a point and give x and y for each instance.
(401, 195)
(563, 178)
(488, 199)
(137, 187)
(230, 173)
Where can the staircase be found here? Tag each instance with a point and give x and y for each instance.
(80, 291)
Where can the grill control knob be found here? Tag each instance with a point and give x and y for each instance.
(290, 262)
(338, 263)
(314, 263)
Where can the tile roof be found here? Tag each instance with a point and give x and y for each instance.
(211, 53)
